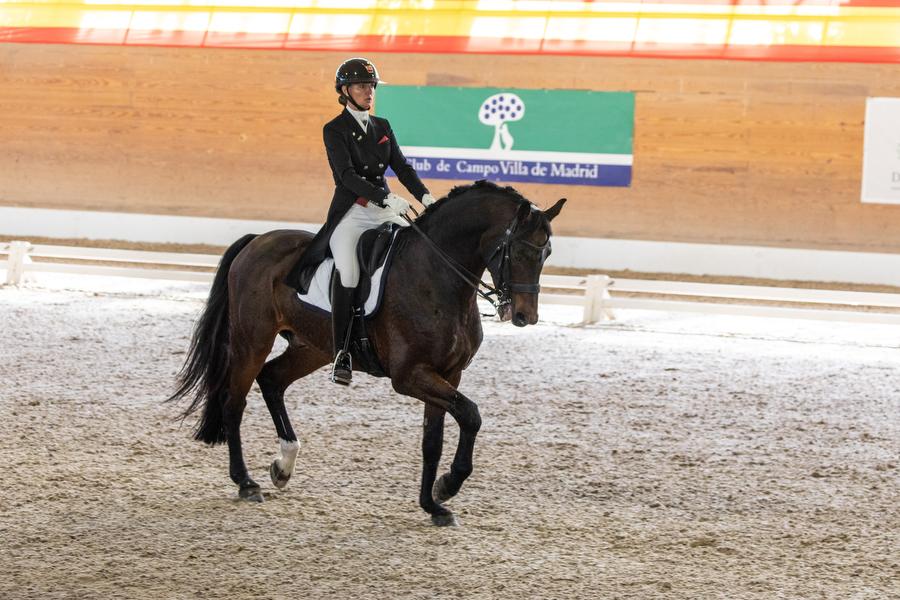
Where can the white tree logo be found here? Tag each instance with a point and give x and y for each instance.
(497, 111)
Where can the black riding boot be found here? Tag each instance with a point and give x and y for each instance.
(341, 322)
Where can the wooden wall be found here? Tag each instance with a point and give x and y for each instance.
(725, 152)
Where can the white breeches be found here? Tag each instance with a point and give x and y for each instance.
(353, 224)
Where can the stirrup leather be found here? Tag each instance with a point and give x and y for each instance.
(342, 370)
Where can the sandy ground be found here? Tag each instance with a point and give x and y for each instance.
(660, 456)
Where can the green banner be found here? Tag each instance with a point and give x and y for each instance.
(549, 136)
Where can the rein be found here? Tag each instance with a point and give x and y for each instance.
(471, 279)
(504, 287)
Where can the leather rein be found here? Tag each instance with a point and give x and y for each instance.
(501, 295)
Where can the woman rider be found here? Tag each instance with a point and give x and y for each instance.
(360, 147)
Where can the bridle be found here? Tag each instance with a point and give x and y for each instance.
(499, 264)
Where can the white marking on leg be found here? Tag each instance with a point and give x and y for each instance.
(289, 452)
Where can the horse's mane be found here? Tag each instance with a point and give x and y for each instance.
(482, 185)
(488, 186)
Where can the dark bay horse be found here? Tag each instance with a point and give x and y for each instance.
(427, 330)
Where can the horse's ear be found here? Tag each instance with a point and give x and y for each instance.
(551, 212)
(523, 212)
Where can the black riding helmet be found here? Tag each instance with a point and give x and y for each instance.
(354, 70)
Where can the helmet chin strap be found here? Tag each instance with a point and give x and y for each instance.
(351, 100)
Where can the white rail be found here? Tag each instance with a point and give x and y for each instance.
(181, 259)
(748, 292)
(598, 295)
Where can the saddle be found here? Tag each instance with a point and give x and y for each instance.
(374, 251)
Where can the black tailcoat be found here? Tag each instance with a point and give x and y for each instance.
(358, 160)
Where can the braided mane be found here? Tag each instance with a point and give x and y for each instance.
(482, 185)
(488, 186)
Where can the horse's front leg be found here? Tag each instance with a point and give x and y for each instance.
(437, 392)
(432, 446)
(469, 424)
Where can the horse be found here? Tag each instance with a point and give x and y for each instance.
(425, 334)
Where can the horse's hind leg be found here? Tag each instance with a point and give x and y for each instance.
(240, 380)
(274, 379)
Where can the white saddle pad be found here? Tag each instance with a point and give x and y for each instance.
(319, 295)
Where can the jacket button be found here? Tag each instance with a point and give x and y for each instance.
(380, 165)
(365, 166)
(379, 177)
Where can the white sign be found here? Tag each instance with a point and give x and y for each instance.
(881, 151)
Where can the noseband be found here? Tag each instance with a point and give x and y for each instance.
(498, 263)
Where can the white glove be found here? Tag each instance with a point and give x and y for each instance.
(428, 200)
(397, 204)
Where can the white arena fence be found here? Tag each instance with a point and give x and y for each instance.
(597, 295)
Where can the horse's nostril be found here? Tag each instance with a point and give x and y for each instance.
(519, 320)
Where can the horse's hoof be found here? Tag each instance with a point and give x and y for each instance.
(439, 490)
(279, 478)
(251, 494)
(447, 520)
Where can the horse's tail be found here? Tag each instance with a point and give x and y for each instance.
(205, 370)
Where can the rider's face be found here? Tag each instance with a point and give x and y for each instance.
(362, 93)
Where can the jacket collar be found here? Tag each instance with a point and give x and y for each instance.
(351, 121)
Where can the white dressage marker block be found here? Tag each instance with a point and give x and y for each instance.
(16, 261)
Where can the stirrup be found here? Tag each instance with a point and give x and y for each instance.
(342, 370)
